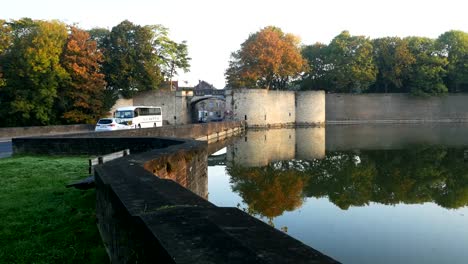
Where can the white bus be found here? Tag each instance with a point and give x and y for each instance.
(140, 116)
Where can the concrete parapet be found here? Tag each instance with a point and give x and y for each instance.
(10, 132)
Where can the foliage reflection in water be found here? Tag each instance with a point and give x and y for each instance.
(403, 183)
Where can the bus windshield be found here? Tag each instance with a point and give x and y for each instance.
(124, 114)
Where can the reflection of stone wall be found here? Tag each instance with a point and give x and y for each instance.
(258, 148)
(395, 136)
(310, 143)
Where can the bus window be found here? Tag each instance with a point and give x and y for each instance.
(124, 114)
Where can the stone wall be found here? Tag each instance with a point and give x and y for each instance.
(173, 104)
(9, 132)
(310, 108)
(396, 108)
(263, 108)
(271, 108)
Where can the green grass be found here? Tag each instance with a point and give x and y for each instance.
(41, 221)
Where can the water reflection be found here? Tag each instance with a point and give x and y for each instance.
(274, 171)
(361, 194)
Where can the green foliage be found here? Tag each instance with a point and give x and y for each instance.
(170, 54)
(31, 66)
(131, 66)
(416, 175)
(453, 45)
(427, 72)
(351, 65)
(316, 78)
(393, 60)
(42, 221)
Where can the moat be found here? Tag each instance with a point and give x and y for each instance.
(360, 194)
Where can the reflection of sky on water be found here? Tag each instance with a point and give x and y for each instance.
(373, 233)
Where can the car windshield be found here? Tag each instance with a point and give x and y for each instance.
(124, 114)
(105, 121)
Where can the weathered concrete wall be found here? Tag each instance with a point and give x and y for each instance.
(310, 108)
(368, 108)
(10, 132)
(133, 139)
(263, 108)
(173, 104)
(187, 167)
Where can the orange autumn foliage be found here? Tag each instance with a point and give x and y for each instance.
(83, 93)
(268, 59)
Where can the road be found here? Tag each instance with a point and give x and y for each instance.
(5, 149)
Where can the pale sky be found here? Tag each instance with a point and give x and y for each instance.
(215, 28)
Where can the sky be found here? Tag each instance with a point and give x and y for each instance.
(214, 29)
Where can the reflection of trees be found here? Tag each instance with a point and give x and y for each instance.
(416, 175)
(269, 190)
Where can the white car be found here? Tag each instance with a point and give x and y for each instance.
(111, 124)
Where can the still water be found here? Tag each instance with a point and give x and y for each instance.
(360, 194)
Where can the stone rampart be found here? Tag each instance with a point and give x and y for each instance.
(395, 108)
(261, 108)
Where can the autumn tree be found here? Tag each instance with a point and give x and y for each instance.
(131, 64)
(427, 72)
(351, 65)
(82, 94)
(31, 66)
(453, 45)
(393, 60)
(268, 59)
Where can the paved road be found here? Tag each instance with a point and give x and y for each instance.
(5, 149)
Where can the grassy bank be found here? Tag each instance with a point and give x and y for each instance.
(41, 221)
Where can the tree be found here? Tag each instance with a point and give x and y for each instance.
(393, 60)
(352, 68)
(131, 63)
(427, 72)
(268, 59)
(82, 95)
(33, 72)
(5, 43)
(171, 55)
(453, 45)
(316, 77)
